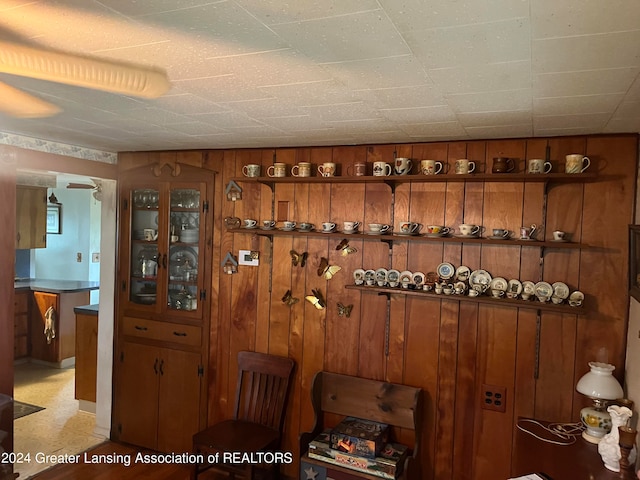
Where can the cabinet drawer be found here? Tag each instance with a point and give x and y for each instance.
(21, 303)
(162, 331)
(21, 324)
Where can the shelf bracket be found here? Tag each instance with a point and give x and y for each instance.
(387, 323)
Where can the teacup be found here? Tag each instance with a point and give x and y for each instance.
(302, 169)
(437, 230)
(328, 226)
(289, 225)
(251, 170)
(327, 169)
(537, 165)
(358, 169)
(501, 232)
(559, 236)
(277, 170)
(527, 232)
(150, 234)
(350, 226)
(409, 227)
(468, 230)
(174, 238)
(576, 163)
(464, 166)
(496, 293)
(473, 293)
(268, 223)
(378, 228)
(381, 169)
(250, 223)
(430, 167)
(402, 166)
(305, 226)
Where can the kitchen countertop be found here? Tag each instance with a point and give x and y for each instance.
(55, 286)
(87, 309)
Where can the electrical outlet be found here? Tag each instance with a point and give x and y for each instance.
(95, 257)
(494, 398)
(79, 257)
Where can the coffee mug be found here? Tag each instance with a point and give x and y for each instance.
(576, 163)
(381, 169)
(268, 223)
(527, 232)
(502, 165)
(559, 236)
(468, 229)
(289, 225)
(430, 167)
(305, 226)
(250, 223)
(501, 232)
(409, 227)
(437, 230)
(150, 234)
(302, 169)
(350, 226)
(379, 228)
(464, 166)
(358, 169)
(328, 226)
(251, 170)
(537, 165)
(174, 238)
(327, 169)
(402, 166)
(277, 170)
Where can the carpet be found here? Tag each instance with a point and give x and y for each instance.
(21, 409)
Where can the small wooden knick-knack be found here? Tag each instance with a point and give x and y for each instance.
(627, 440)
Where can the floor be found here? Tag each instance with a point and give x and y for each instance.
(58, 429)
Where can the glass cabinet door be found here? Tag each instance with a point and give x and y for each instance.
(185, 263)
(144, 256)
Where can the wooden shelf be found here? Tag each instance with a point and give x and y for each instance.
(482, 299)
(409, 238)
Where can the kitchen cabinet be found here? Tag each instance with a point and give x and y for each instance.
(31, 217)
(163, 304)
(86, 353)
(21, 323)
(159, 392)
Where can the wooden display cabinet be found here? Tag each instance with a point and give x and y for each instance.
(31, 217)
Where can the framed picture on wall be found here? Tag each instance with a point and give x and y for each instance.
(634, 261)
(54, 225)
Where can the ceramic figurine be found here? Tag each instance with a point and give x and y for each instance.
(609, 446)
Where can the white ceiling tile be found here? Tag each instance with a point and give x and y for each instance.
(440, 113)
(577, 105)
(403, 97)
(483, 78)
(267, 107)
(349, 37)
(589, 120)
(502, 41)
(610, 50)
(628, 109)
(276, 11)
(589, 82)
(417, 14)
(510, 131)
(553, 18)
(187, 104)
(402, 71)
(510, 100)
(312, 93)
(494, 119)
(623, 125)
(343, 112)
(634, 90)
(453, 129)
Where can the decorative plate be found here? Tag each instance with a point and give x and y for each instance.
(406, 277)
(186, 253)
(358, 276)
(498, 283)
(446, 271)
(370, 276)
(418, 278)
(543, 290)
(514, 287)
(462, 273)
(480, 277)
(393, 276)
(528, 287)
(381, 276)
(560, 290)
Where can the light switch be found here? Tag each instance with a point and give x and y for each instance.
(79, 257)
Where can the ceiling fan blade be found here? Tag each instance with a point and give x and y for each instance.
(81, 185)
(22, 105)
(78, 70)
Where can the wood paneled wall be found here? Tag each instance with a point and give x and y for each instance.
(449, 349)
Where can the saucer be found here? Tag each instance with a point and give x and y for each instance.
(301, 229)
(499, 238)
(414, 234)
(435, 235)
(460, 235)
(349, 232)
(527, 239)
(268, 228)
(251, 228)
(328, 231)
(287, 229)
(562, 240)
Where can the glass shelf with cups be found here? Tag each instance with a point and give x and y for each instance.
(482, 299)
(276, 232)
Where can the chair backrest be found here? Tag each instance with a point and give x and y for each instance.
(263, 386)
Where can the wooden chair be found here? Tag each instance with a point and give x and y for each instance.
(256, 426)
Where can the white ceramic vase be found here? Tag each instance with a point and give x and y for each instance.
(609, 446)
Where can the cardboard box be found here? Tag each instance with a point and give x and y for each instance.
(362, 438)
(388, 464)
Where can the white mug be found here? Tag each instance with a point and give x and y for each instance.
(464, 166)
(576, 163)
(402, 166)
(327, 169)
(430, 167)
(379, 228)
(381, 169)
(250, 223)
(328, 226)
(468, 230)
(302, 169)
(251, 170)
(277, 170)
(537, 165)
(350, 226)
